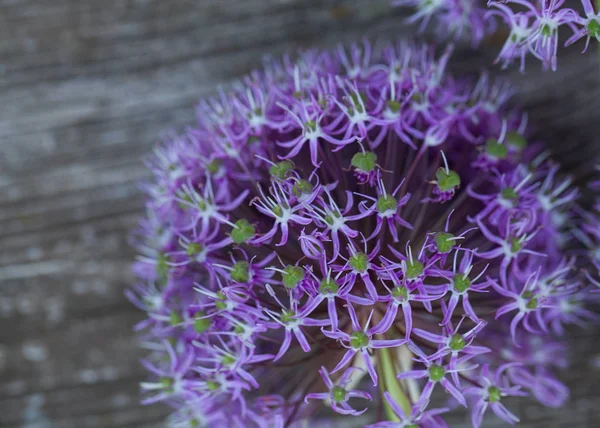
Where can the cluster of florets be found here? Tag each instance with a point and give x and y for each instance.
(345, 233)
(533, 24)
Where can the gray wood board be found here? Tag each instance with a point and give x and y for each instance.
(86, 88)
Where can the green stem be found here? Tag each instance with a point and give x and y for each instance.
(598, 41)
(388, 382)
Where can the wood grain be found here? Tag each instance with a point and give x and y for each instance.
(87, 87)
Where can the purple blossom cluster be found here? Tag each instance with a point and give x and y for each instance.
(354, 232)
(533, 25)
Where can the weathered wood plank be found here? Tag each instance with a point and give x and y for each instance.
(88, 87)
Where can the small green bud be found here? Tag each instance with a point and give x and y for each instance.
(292, 276)
(444, 242)
(359, 262)
(193, 249)
(356, 101)
(393, 105)
(515, 245)
(201, 324)
(240, 272)
(495, 149)
(359, 339)
(221, 302)
(593, 28)
(447, 180)
(243, 231)
(386, 203)
(162, 266)
(546, 30)
(227, 360)
(175, 318)
(287, 316)
(516, 140)
(364, 161)
(311, 125)
(166, 382)
(278, 210)
(509, 194)
(400, 293)
(414, 269)
(213, 166)
(302, 187)
(338, 394)
(494, 394)
(457, 342)
(281, 169)
(461, 282)
(212, 385)
(532, 303)
(436, 373)
(328, 286)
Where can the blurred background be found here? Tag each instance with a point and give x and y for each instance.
(87, 87)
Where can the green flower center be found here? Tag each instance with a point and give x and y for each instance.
(311, 125)
(359, 340)
(414, 269)
(461, 282)
(328, 286)
(281, 169)
(386, 203)
(457, 342)
(364, 161)
(243, 231)
(436, 373)
(338, 394)
(240, 272)
(495, 150)
(444, 242)
(494, 394)
(447, 180)
(359, 262)
(291, 276)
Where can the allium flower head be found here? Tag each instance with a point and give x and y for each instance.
(354, 231)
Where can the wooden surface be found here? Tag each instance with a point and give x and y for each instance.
(86, 88)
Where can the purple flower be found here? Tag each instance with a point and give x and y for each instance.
(490, 392)
(356, 212)
(435, 372)
(360, 340)
(337, 394)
